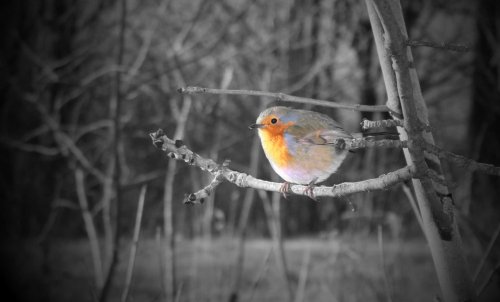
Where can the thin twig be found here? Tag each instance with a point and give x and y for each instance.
(89, 227)
(304, 271)
(161, 262)
(273, 217)
(135, 243)
(179, 151)
(387, 285)
(27, 147)
(243, 223)
(362, 143)
(283, 97)
(65, 143)
(47, 227)
(205, 192)
(178, 292)
(462, 161)
(367, 124)
(414, 205)
(482, 287)
(486, 253)
(260, 275)
(279, 247)
(442, 45)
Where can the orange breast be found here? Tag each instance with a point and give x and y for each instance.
(274, 146)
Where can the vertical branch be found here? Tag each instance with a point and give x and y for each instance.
(434, 201)
(387, 285)
(279, 247)
(262, 273)
(135, 243)
(247, 206)
(272, 210)
(168, 229)
(245, 212)
(486, 253)
(107, 196)
(304, 272)
(161, 261)
(168, 223)
(209, 205)
(89, 227)
(115, 112)
(414, 206)
(385, 62)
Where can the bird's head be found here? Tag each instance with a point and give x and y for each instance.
(275, 120)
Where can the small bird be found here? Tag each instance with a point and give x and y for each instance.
(299, 144)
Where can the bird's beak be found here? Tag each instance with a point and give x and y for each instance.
(255, 126)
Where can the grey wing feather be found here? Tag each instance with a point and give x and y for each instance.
(325, 137)
(322, 130)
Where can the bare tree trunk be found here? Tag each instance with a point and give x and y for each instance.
(168, 226)
(273, 212)
(89, 228)
(115, 113)
(214, 154)
(247, 205)
(135, 243)
(303, 52)
(106, 199)
(168, 229)
(245, 212)
(433, 199)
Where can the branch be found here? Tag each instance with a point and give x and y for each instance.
(484, 285)
(135, 243)
(435, 203)
(486, 253)
(89, 227)
(27, 147)
(367, 124)
(458, 160)
(361, 143)
(385, 63)
(445, 46)
(65, 142)
(283, 97)
(462, 161)
(198, 197)
(115, 135)
(177, 150)
(395, 47)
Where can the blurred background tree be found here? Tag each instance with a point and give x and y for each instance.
(57, 73)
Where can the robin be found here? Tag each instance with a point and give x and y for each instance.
(299, 145)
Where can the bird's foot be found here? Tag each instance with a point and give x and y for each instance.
(309, 191)
(285, 188)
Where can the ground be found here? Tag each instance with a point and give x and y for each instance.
(346, 268)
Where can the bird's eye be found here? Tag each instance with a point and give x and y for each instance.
(274, 121)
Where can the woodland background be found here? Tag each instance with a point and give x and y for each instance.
(66, 66)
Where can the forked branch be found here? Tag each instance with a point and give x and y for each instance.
(176, 149)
